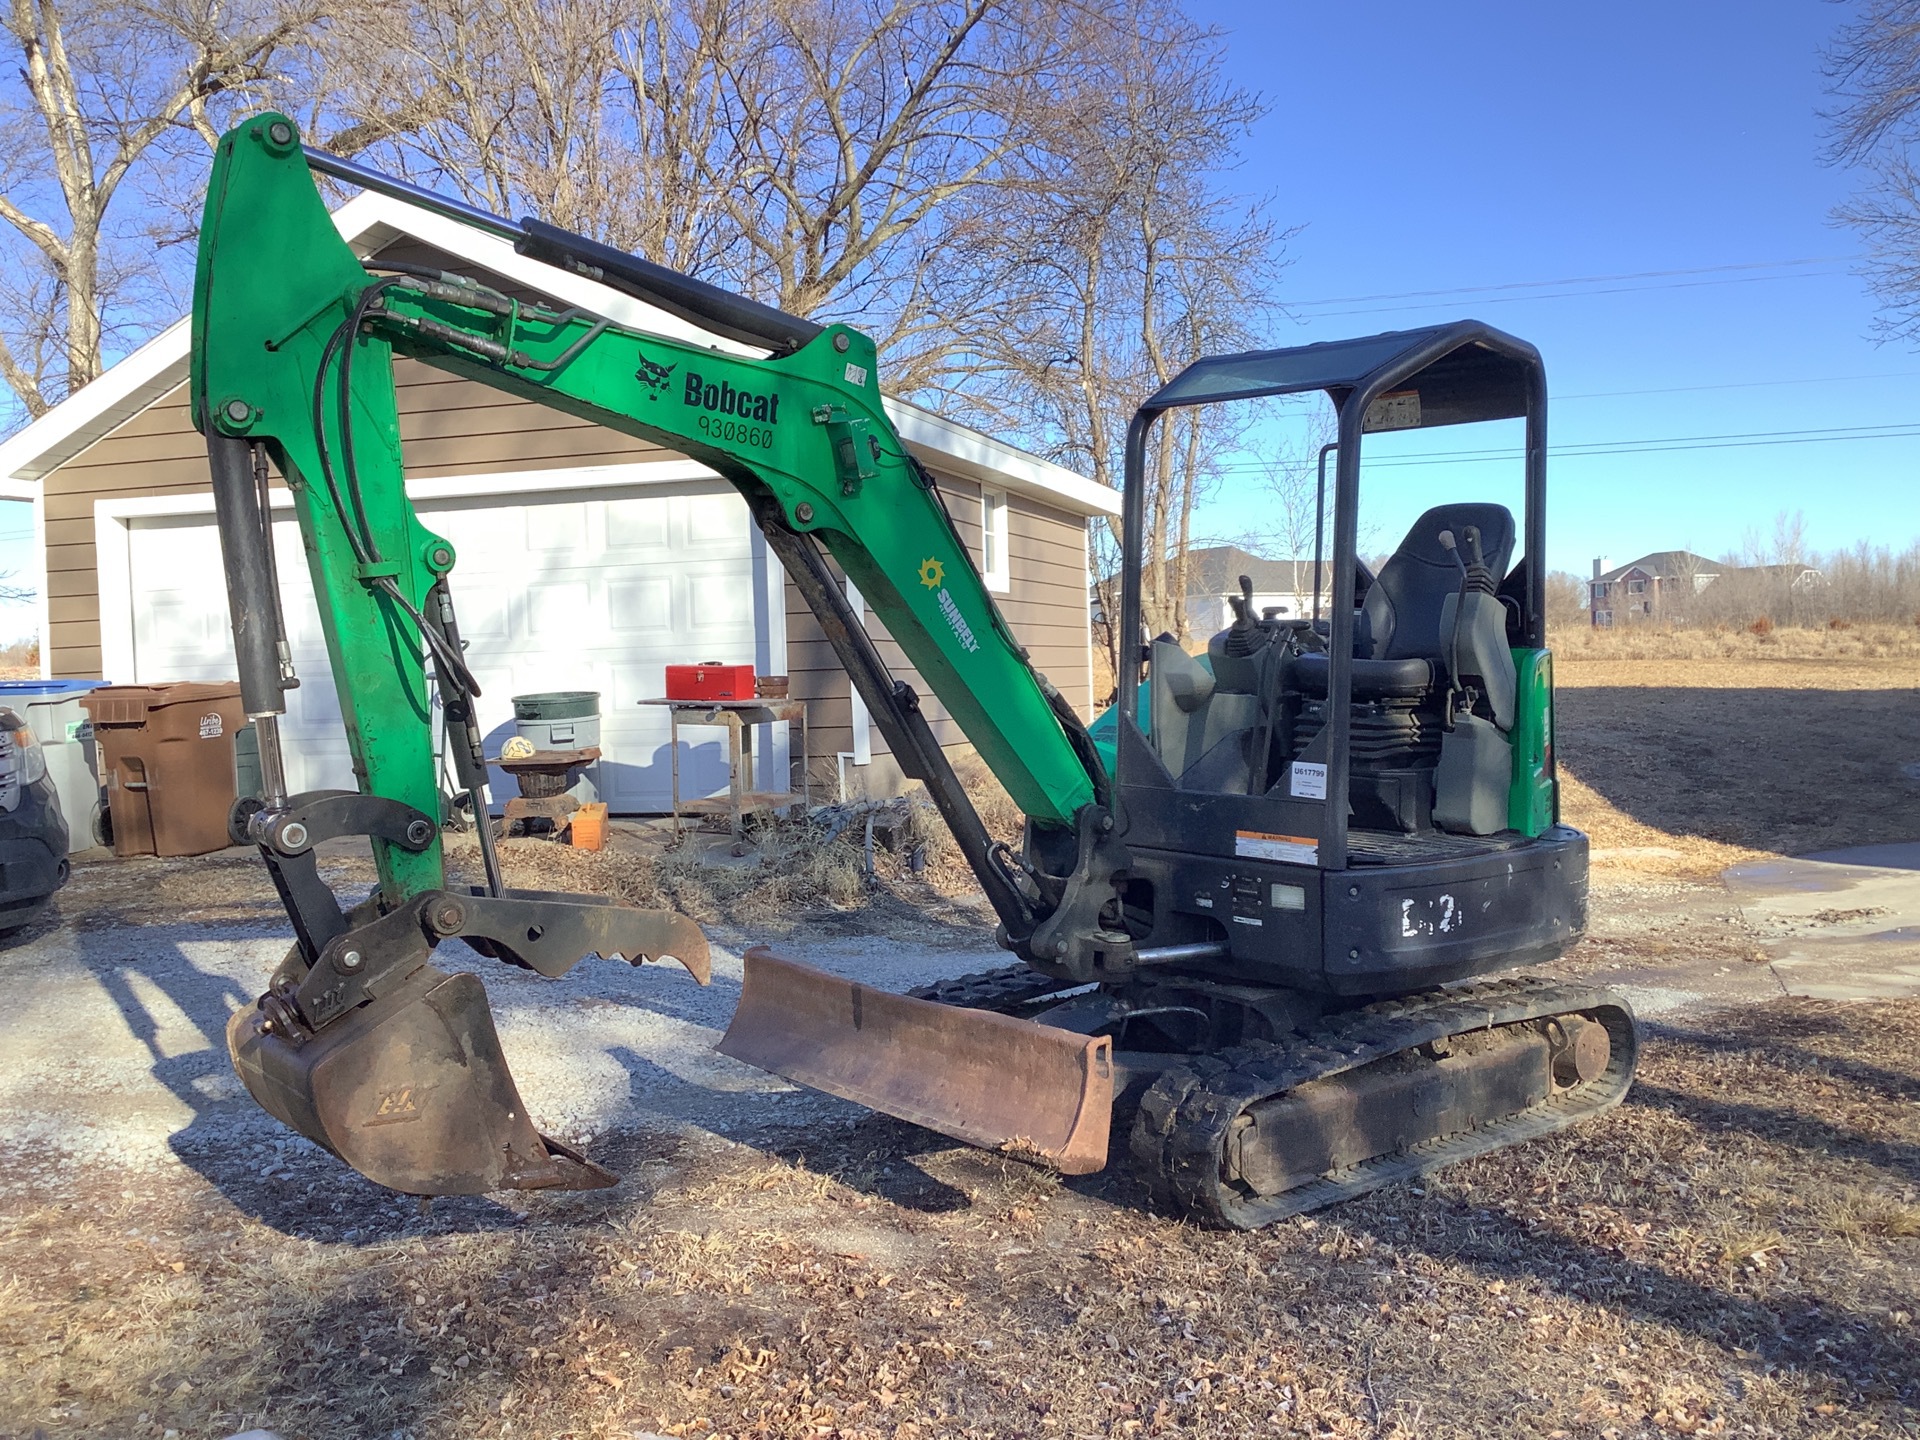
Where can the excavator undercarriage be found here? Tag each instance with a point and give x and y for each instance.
(1256, 903)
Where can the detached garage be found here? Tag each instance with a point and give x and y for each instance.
(588, 560)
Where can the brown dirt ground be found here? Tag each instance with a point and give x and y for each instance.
(1733, 1252)
(1685, 766)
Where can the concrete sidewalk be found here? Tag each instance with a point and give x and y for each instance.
(1840, 925)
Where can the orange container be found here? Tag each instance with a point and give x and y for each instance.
(589, 829)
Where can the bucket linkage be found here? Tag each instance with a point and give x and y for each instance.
(393, 1064)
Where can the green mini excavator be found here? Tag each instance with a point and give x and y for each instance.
(1256, 905)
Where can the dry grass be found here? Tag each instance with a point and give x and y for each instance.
(793, 869)
(1688, 765)
(1845, 641)
(1733, 1252)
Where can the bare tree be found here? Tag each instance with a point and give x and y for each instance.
(826, 156)
(105, 93)
(1126, 264)
(1873, 72)
(1295, 515)
(1018, 197)
(1566, 601)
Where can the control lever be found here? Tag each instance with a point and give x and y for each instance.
(1241, 635)
(1474, 576)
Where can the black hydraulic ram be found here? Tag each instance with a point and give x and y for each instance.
(718, 311)
(246, 550)
(241, 506)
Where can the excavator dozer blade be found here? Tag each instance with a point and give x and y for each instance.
(411, 1090)
(1027, 1090)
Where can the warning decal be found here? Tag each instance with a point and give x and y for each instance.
(1293, 849)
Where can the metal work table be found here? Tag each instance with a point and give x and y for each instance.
(739, 717)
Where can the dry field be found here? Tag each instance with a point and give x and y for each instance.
(1736, 1251)
(1685, 752)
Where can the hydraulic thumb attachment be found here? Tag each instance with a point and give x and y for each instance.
(394, 1064)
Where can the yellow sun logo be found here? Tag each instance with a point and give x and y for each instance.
(932, 572)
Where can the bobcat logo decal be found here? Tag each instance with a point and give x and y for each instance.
(657, 378)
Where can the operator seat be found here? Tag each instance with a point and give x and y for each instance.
(1401, 643)
(1398, 638)
(1398, 646)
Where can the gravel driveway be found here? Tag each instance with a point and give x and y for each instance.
(113, 1038)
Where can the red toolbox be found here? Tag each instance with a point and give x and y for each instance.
(711, 681)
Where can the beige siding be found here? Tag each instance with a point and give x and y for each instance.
(1046, 606)
(451, 426)
(448, 426)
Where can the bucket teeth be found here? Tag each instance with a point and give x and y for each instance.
(412, 1090)
(1029, 1091)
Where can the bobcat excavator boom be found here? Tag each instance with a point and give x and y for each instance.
(1195, 921)
(359, 1042)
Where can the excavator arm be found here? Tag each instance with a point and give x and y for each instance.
(293, 341)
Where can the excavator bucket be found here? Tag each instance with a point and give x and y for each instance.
(412, 1091)
(1028, 1090)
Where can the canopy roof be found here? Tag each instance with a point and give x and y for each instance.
(1441, 375)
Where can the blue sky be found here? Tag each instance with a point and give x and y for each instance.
(1476, 144)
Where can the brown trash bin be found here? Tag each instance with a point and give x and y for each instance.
(166, 755)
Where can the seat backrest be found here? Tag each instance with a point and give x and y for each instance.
(1402, 609)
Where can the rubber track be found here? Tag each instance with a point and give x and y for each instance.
(1186, 1118)
(1005, 989)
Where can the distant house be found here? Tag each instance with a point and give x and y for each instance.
(1649, 588)
(1213, 576)
(1657, 586)
(1798, 576)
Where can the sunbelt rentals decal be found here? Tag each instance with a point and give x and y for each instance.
(933, 575)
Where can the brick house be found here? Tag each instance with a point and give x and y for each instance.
(1648, 589)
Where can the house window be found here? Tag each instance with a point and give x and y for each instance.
(1636, 587)
(995, 566)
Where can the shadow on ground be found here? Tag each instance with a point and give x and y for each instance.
(1787, 771)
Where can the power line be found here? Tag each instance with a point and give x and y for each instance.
(1578, 454)
(1572, 280)
(1737, 385)
(1739, 440)
(1572, 294)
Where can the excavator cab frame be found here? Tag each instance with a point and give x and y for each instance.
(1456, 374)
(1275, 873)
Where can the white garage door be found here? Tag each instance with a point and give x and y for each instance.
(586, 591)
